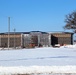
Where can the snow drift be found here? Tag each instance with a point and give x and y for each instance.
(37, 70)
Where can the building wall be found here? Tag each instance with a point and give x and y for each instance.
(62, 38)
(37, 38)
(14, 40)
(26, 40)
(44, 39)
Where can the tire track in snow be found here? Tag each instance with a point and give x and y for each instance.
(20, 59)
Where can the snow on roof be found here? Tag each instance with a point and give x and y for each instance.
(61, 32)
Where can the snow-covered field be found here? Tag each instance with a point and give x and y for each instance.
(38, 61)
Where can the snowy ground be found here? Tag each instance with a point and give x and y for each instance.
(38, 60)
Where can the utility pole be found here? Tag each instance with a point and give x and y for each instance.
(8, 32)
(0, 40)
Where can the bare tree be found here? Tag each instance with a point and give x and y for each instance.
(71, 21)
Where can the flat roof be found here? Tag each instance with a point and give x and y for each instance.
(35, 32)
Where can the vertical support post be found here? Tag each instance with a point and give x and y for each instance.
(8, 32)
(38, 40)
(14, 38)
(21, 40)
(49, 40)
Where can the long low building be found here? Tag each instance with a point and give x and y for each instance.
(34, 38)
